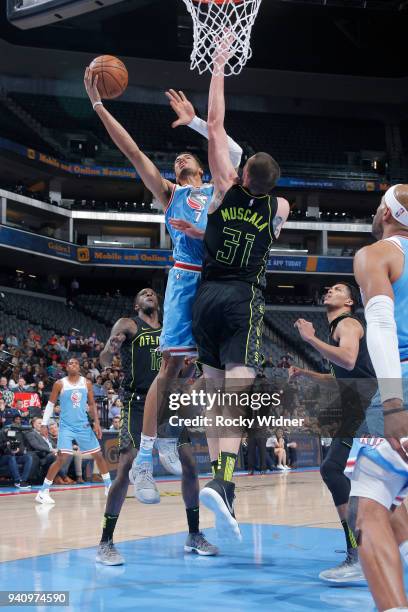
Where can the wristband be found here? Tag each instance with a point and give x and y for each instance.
(99, 103)
(394, 411)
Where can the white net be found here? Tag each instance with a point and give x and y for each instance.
(212, 19)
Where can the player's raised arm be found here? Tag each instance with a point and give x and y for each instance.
(122, 329)
(49, 409)
(223, 172)
(186, 116)
(149, 173)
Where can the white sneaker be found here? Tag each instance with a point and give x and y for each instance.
(280, 467)
(168, 455)
(286, 467)
(43, 497)
(144, 487)
(348, 571)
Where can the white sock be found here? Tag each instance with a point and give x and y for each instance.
(404, 551)
(106, 477)
(146, 442)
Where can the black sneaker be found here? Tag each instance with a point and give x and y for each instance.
(24, 485)
(218, 496)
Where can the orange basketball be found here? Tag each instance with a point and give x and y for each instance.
(112, 76)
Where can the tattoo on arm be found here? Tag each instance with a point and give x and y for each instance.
(277, 226)
(216, 201)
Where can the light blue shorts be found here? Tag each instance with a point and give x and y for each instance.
(83, 435)
(177, 335)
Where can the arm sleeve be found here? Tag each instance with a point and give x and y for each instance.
(235, 151)
(49, 409)
(382, 343)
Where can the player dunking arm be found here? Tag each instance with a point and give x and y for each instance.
(380, 474)
(243, 221)
(75, 395)
(137, 339)
(347, 353)
(189, 199)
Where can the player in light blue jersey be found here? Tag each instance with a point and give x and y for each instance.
(187, 199)
(76, 399)
(379, 480)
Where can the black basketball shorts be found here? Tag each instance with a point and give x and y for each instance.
(228, 323)
(131, 423)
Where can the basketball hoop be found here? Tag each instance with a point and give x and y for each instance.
(211, 19)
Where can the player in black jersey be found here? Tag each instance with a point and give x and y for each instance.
(137, 339)
(347, 353)
(243, 221)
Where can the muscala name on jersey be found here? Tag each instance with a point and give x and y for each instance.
(242, 214)
(146, 340)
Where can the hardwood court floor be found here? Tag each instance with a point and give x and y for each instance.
(297, 498)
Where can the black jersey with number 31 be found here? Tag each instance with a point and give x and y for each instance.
(238, 237)
(140, 357)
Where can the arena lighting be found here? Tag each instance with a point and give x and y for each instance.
(32, 276)
(286, 286)
(20, 271)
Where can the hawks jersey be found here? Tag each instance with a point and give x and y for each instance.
(363, 367)
(73, 400)
(190, 204)
(140, 358)
(239, 236)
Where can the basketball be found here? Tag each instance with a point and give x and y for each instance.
(113, 76)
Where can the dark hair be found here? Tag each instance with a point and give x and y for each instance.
(263, 173)
(198, 160)
(354, 295)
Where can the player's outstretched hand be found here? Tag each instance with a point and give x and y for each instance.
(305, 329)
(187, 228)
(91, 86)
(181, 106)
(98, 431)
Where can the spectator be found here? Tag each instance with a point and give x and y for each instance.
(98, 389)
(22, 386)
(115, 409)
(280, 451)
(284, 362)
(115, 424)
(11, 340)
(5, 393)
(14, 456)
(37, 441)
(2, 411)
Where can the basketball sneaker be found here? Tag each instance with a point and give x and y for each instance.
(108, 554)
(348, 571)
(168, 455)
(144, 487)
(218, 496)
(196, 542)
(43, 497)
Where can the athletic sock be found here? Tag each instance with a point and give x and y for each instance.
(404, 551)
(214, 467)
(108, 526)
(106, 479)
(225, 466)
(193, 519)
(350, 538)
(46, 484)
(146, 449)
